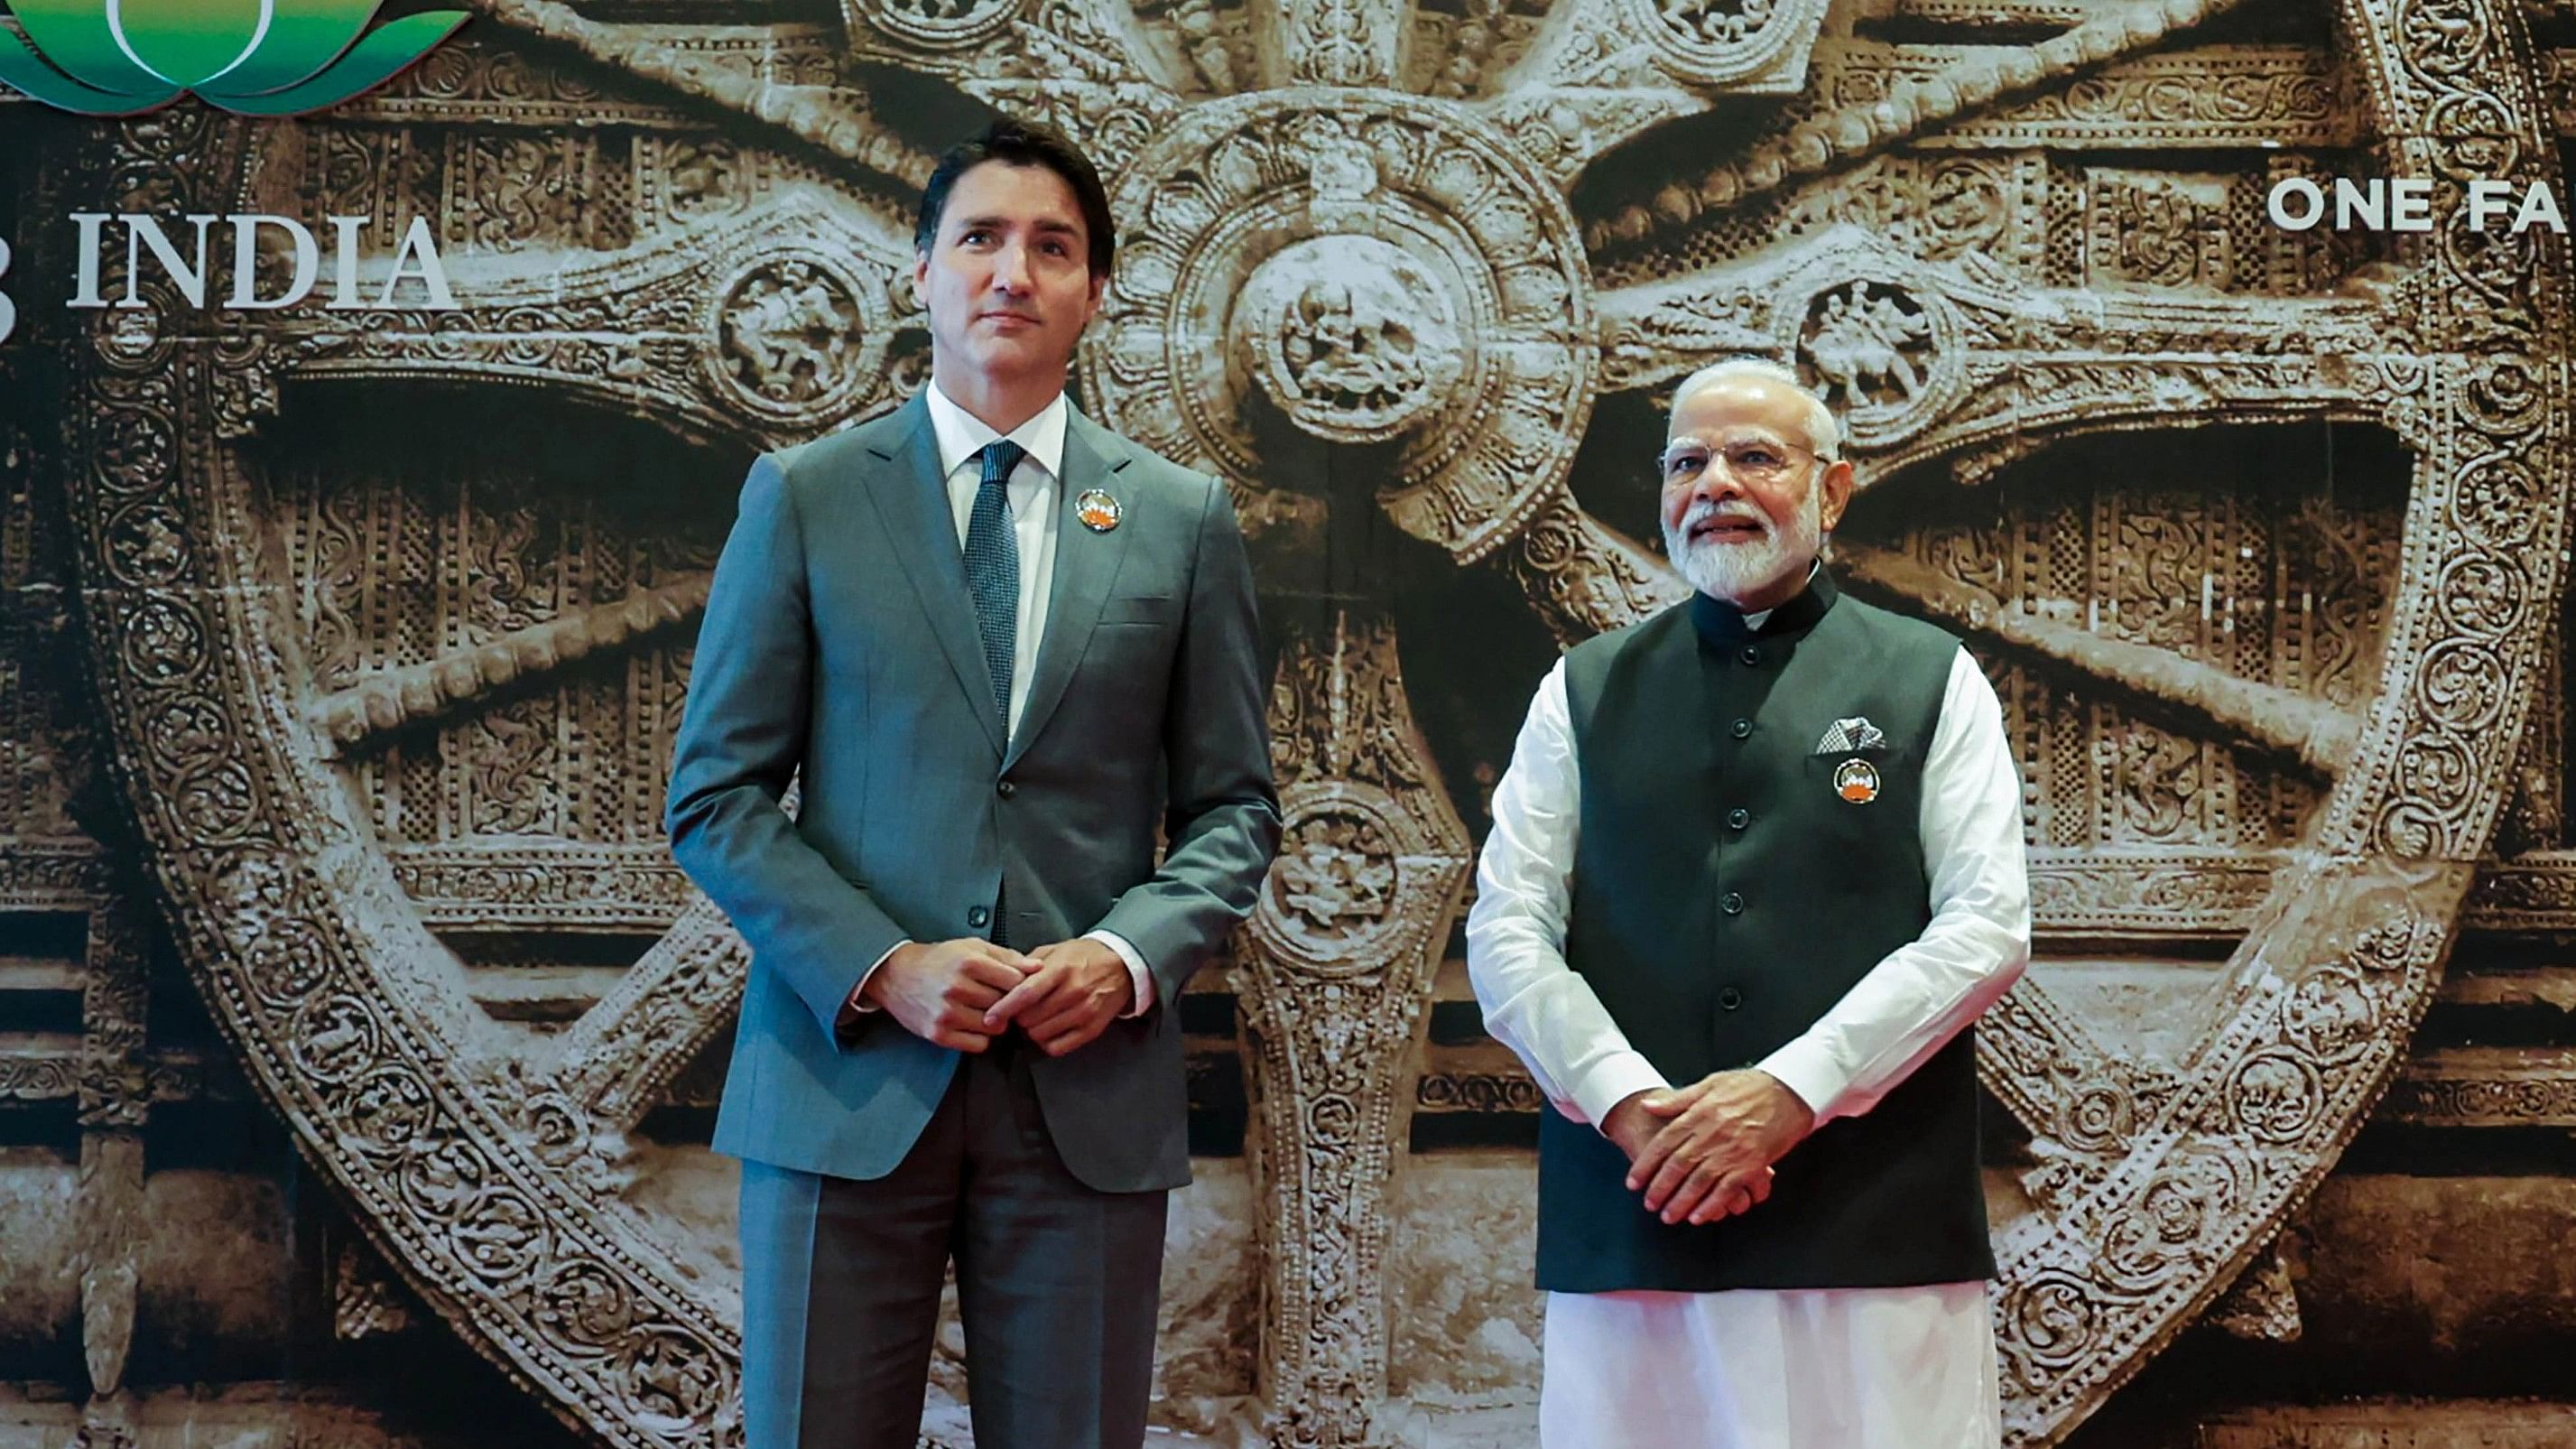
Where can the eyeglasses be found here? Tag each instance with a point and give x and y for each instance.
(1746, 460)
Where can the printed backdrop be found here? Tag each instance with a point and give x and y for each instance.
(359, 1041)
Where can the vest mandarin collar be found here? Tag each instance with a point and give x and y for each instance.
(1719, 622)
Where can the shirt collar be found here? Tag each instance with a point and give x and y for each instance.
(962, 434)
(1720, 622)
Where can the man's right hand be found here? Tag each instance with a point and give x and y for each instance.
(1632, 1126)
(940, 992)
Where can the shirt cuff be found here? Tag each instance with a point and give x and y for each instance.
(1809, 1071)
(1612, 1080)
(1136, 971)
(859, 1002)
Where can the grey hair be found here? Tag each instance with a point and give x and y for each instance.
(1823, 433)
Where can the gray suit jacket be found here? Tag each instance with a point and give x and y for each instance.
(840, 641)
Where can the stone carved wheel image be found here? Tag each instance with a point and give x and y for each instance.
(392, 698)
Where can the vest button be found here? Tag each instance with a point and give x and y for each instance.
(1750, 655)
(1728, 999)
(977, 918)
(1731, 903)
(1006, 789)
(1738, 818)
(1742, 728)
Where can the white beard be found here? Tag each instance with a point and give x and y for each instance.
(1734, 571)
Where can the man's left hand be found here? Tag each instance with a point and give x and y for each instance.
(1078, 989)
(1720, 1136)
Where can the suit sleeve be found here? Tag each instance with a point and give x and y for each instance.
(741, 740)
(1222, 812)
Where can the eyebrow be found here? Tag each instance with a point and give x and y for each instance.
(992, 223)
(1760, 435)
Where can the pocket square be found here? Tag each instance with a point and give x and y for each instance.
(1846, 735)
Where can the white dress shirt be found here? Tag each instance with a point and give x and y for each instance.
(1861, 1368)
(1033, 491)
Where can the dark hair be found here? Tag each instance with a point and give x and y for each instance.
(1022, 143)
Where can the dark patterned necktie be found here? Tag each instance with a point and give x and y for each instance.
(993, 568)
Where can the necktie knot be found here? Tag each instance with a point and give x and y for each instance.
(1001, 456)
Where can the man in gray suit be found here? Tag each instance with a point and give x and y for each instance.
(1002, 645)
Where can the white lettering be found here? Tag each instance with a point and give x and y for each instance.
(418, 245)
(2486, 202)
(192, 271)
(308, 263)
(344, 263)
(2413, 208)
(2309, 195)
(144, 232)
(2539, 208)
(2365, 204)
(93, 225)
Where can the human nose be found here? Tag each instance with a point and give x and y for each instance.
(1011, 270)
(1715, 482)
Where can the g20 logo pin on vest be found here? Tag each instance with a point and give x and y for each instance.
(1855, 779)
(251, 57)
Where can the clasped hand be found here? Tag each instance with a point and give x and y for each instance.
(961, 994)
(1704, 1151)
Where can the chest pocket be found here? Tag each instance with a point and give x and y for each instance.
(1130, 611)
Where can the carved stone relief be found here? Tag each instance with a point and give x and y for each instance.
(372, 715)
(1333, 981)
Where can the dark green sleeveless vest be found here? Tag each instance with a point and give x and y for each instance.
(1735, 874)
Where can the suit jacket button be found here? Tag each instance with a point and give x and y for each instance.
(978, 918)
(1738, 818)
(1731, 903)
(1742, 728)
(1728, 999)
(1007, 789)
(1750, 655)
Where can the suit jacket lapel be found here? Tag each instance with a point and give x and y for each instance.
(1086, 565)
(911, 496)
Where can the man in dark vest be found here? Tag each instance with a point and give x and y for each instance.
(1005, 650)
(1755, 868)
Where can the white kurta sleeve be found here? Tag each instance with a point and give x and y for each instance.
(1534, 1003)
(1926, 992)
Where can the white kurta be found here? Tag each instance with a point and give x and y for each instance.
(1865, 1368)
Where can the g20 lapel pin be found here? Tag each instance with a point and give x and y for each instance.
(1098, 511)
(1856, 780)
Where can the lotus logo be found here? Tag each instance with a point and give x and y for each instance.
(254, 57)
